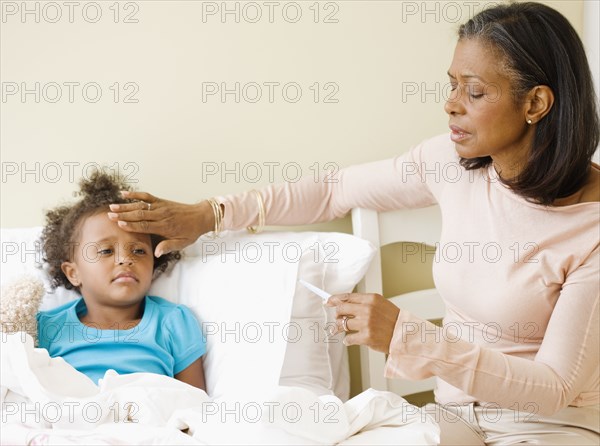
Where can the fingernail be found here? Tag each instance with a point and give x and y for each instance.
(113, 207)
(122, 223)
(124, 193)
(112, 215)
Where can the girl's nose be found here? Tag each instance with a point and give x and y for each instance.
(122, 257)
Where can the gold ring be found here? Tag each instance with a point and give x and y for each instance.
(149, 205)
(345, 324)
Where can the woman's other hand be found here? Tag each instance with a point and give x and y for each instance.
(180, 224)
(369, 319)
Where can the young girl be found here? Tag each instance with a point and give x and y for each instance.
(115, 324)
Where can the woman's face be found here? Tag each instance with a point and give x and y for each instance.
(484, 119)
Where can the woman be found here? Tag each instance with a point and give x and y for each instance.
(517, 359)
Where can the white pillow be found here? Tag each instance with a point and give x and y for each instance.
(241, 289)
(334, 262)
(21, 256)
(261, 326)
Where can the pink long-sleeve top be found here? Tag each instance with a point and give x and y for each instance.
(521, 282)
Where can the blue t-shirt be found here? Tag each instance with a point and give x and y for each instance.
(165, 341)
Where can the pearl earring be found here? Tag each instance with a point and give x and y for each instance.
(529, 121)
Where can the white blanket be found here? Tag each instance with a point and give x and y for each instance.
(46, 401)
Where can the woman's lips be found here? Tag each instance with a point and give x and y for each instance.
(458, 134)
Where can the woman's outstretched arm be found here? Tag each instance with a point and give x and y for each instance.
(410, 180)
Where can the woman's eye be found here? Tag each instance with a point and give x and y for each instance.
(474, 92)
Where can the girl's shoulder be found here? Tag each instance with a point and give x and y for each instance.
(58, 311)
(177, 321)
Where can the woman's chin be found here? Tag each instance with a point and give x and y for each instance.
(468, 151)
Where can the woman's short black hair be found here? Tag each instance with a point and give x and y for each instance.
(63, 225)
(540, 47)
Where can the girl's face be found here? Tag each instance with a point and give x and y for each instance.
(111, 267)
(484, 119)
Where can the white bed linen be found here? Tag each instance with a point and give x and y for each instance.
(46, 401)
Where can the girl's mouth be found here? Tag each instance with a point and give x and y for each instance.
(126, 277)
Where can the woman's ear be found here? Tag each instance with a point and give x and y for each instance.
(538, 104)
(70, 270)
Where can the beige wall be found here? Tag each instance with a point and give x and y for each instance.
(376, 61)
(375, 69)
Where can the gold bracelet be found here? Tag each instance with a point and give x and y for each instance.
(261, 214)
(218, 213)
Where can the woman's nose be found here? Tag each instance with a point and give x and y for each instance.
(453, 103)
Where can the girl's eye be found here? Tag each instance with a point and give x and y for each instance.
(139, 251)
(105, 252)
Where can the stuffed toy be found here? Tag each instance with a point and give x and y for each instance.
(20, 302)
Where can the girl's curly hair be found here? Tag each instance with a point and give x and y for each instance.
(63, 225)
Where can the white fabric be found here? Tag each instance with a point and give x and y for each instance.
(46, 401)
(243, 305)
(334, 262)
